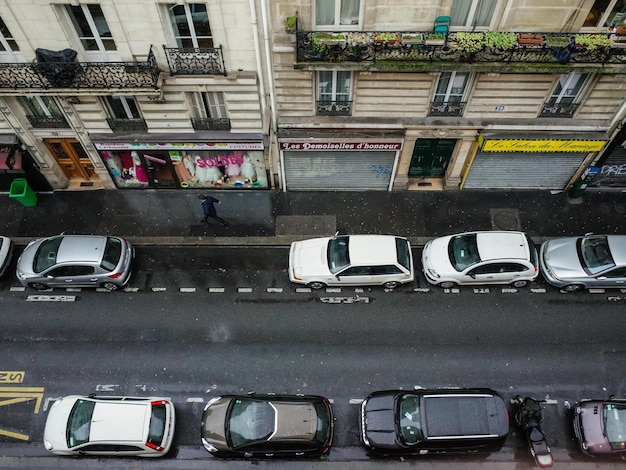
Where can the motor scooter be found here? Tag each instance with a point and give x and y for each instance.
(529, 416)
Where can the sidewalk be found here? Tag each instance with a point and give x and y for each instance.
(274, 217)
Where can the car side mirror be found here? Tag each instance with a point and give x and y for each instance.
(472, 275)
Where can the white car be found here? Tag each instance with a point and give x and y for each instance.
(351, 260)
(490, 257)
(6, 252)
(133, 426)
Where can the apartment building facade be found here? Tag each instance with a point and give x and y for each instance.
(138, 94)
(519, 94)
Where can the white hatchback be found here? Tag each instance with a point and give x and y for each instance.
(351, 260)
(490, 257)
(133, 426)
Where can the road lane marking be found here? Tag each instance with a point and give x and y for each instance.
(21, 394)
(51, 298)
(12, 376)
(244, 289)
(14, 435)
(216, 289)
(274, 289)
(187, 289)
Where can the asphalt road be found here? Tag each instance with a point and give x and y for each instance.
(199, 322)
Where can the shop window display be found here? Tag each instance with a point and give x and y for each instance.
(126, 169)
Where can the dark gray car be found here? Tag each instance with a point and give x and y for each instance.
(76, 260)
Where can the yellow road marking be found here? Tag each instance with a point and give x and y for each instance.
(12, 376)
(15, 435)
(19, 394)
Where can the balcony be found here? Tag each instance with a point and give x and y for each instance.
(80, 75)
(448, 108)
(334, 108)
(47, 122)
(195, 61)
(558, 110)
(127, 125)
(481, 52)
(211, 124)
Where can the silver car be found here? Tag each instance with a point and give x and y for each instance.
(574, 263)
(76, 260)
(6, 251)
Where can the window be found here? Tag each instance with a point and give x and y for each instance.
(334, 85)
(209, 104)
(337, 13)
(122, 107)
(472, 13)
(190, 23)
(7, 43)
(568, 89)
(451, 87)
(605, 13)
(40, 106)
(91, 27)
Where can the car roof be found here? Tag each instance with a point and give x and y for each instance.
(119, 421)
(617, 244)
(88, 248)
(373, 249)
(502, 245)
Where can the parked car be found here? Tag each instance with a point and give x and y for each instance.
(351, 260)
(574, 263)
(76, 260)
(600, 426)
(489, 257)
(268, 426)
(400, 422)
(133, 426)
(6, 252)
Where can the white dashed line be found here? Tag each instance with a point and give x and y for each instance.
(17, 289)
(51, 298)
(274, 289)
(187, 289)
(303, 289)
(244, 289)
(216, 289)
(195, 400)
(159, 289)
(356, 401)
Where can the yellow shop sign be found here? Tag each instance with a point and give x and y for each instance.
(519, 145)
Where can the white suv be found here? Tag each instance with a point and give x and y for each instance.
(133, 426)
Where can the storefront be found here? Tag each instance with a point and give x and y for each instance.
(611, 168)
(527, 163)
(319, 164)
(17, 163)
(186, 165)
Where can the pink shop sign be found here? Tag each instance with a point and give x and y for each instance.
(343, 146)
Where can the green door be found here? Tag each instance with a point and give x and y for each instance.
(431, 157)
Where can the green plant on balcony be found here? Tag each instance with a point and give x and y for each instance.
(387, 37)
(558, 40)
(326, 37)
(290, 24)
(501, 40)
(434, 38)
(412, 38)
(593, 42)
(468, 43)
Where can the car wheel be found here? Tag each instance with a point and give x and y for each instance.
(572, 288)
(39, 286)
(519, 283)
(447, 284)
(391, 284)
(110, 286)
(316, 285)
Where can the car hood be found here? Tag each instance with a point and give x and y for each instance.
(308, 257)
(380, 429)
(592, 424)
(54, 434)
(561, 257)
(213, 422)
(435, 256)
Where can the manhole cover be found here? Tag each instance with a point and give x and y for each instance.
(505, 219)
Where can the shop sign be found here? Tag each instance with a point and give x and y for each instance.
(520, 145)
(191, 146)
(345, 146)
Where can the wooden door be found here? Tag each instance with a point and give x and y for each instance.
(71, 157)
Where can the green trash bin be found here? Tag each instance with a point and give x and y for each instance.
(23, 193)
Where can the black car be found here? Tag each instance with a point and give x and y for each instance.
(267, 426)
(400, 422)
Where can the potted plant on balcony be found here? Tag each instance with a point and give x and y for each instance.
(558, 40)
(467, 44)
(291, 23)
(386, 38)
(593, 42)
(434, 39)
(530, 39)
(412, 38)
(324, 37)
(501, 40)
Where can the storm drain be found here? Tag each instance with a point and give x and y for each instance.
(318, 225)
(505, 219)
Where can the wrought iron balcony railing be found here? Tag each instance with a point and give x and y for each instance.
(447, 108)
(47, 122)
(127, 125)
(195, 61)
(108, 75)
(558, 110)
(334, 108)
(211, 124)
(405, 50)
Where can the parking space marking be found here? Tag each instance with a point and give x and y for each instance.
(195, 400)
(17, 289)
(303, 289)
(51, 298)
(244, 289)
(12, 376)
(274, 289)
(14, 435)
(159, 289)
(356, 401)
(21, 394)
(187, 289)
(216, 289)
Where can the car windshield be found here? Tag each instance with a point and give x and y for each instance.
(157, 424)
(404, 253)
(112, 254)
(79, 423)
(615, 425)
(338, 257)
(463, 251)
(47, 254)
(595, 254)
(323, 423)
(409, 419)
(250, 421)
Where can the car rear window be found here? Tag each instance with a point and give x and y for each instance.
(404, 253)
(157, 424)
(47, 254)
(112, 253)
